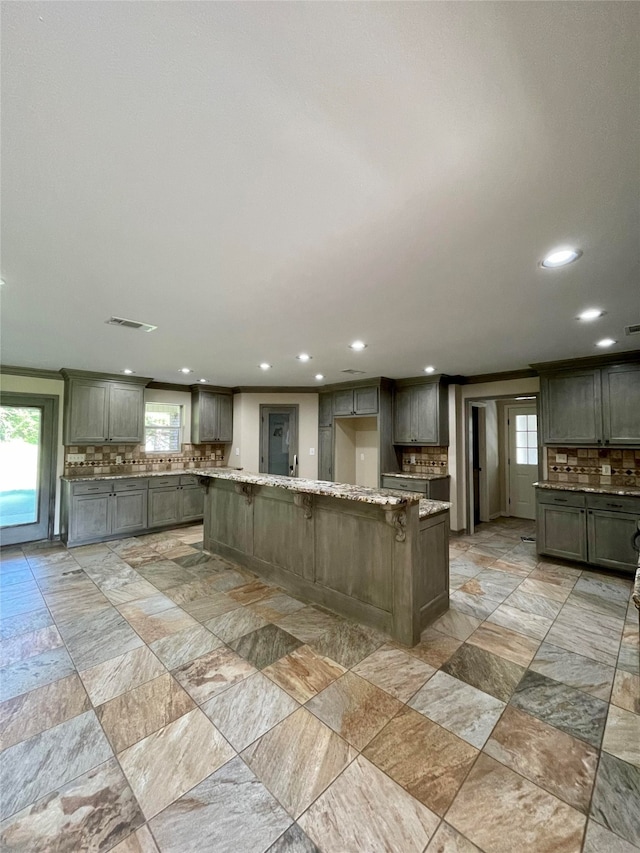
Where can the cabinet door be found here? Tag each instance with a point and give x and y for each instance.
(89, 517)
(204, 417)
(365, 400)
(343, 402)
(325, 454)
(190, 503)
(225, 418)
(610, 539)
(621, 404)
(163, 506)
(88, 412)
(424, 413)
(126, 413)
(129, 511)
(561, 532)
(325, 410)
(571, 408)
(402, 416)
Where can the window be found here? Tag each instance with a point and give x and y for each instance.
(526, 439)
(162, 427)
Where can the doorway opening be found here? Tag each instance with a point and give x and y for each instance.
(279, 440)
(27, 467)
(356, 451)
(503, 458)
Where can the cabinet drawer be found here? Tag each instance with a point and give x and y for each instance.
(558, 498)
(101, 487)
(139, 484)
(164, 482)
(405, 485)
(614, 503)
(188, 480)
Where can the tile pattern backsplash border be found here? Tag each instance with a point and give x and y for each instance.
(428, 460)
(101, 459)
(584, 465)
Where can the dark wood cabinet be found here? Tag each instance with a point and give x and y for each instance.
(100, 409)
(211, 417)
(174, 500)
(355, 401)
(325, 453)
(420, 414)
(325, 410)
(591, 406)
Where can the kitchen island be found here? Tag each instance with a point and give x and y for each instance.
(377, 556)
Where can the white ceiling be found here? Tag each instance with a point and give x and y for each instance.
(259, 179)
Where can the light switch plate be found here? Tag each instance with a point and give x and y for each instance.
(561, 457)
(412, 459)
(76, 457)
(237, 451)
(312, 451)
(606, 470)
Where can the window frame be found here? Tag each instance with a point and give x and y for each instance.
(157, 429)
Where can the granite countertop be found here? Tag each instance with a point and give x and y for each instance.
(79, 478)
(410, 476)
(629, 491)
(380, 497)
(428, 507)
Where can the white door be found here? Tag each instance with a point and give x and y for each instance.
(523, 460)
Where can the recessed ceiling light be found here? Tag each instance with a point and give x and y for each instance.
(358, 345)
(429, 369)
(265, 366)
(561, 257)
(319, 376)
(304, 356)
(127, 371)
(186, 370)
(606, 342)
(203, 380)
(591, 314)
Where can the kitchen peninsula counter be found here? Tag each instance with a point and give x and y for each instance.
(374, 555)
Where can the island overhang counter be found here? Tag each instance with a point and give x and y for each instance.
(376, 556)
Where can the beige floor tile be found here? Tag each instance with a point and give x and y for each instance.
(162, 624)
(169, 762)
(448, 840)
(395, 671)
(212, 673)
(453, 623)
(178, 649)
(504, 642)
(24, 646)
(298, 759)
(622, 735)
(235, 623)
(501, 812)
(365, 810)
(140, 841)
(434, 648)
(120, 674)
(304, 673)
(626, 691)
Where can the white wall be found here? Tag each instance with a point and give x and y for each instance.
(52, 388)
(492, 459)
(246, 430)
(357, 451)
(458, 450)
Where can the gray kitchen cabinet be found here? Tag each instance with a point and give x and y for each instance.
(191, 504)
(621, 404)
(211, 417)
(325, 410)
(89, 518)
(325, 453)
(174, 500)
(356, 401)
(129, 511)
(436, 489)
(343, 402)
(589, 528)
(421, 414)
(591, 406)
(570, 403)
(100, 409)
(163, 506)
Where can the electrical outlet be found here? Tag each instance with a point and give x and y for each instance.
(237, 451)
(76, 457)
(118, 460)
(312, 451)
(362, 457)
(606, 470)
(561, 457)
(412, 459)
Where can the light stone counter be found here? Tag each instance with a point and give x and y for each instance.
(411, 476)
(621, 491)
(86, 478)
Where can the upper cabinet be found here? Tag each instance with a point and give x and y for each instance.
(100, 409)
(355, 401)
(211, 416)
(595, 406)
(420, 414)
(325, 410)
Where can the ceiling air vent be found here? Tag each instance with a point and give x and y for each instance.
(633, 330)
(130, 324)
(351, 371)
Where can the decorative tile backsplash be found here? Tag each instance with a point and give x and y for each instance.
(584, 465)
(428, 460)
(102, 459)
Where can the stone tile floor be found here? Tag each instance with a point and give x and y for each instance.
(154, 698)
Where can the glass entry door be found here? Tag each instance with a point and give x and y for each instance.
(279, 440)
(27, 467)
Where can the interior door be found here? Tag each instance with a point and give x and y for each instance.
(27, 467)
(523, 460)
(279, 440)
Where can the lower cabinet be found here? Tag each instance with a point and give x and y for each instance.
(433, 489)
(596, 529)
(95, 511)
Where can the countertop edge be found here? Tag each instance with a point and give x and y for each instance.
(621, 491)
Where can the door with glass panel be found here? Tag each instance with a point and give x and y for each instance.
(27, 467)
(523, 460)
(279, 440)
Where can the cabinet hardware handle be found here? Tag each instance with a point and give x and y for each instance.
(560, 500)
(615, 506)
(581, 512)
(590, 512)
